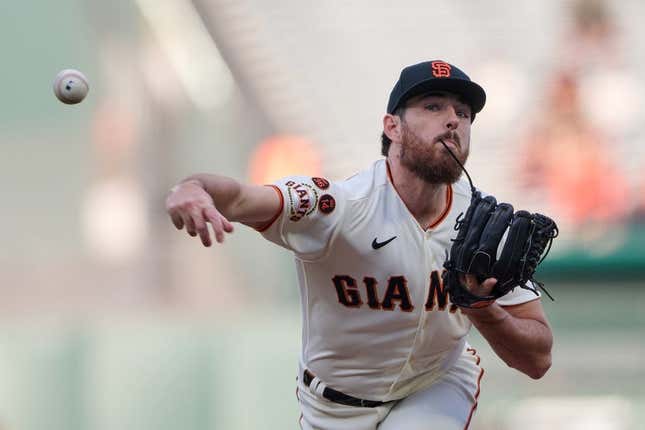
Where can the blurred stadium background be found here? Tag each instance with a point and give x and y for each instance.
(111, 319)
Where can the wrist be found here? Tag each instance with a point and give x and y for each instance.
(492, 314)
(191, 181)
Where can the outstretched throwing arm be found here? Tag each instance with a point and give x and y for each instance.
(205, 198)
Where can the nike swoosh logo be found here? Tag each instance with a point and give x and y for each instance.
(376, 244)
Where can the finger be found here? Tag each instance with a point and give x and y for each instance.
(205, 236)
(189, 223)
(198, 221)
(219, 230)
(177, 221)
(228, 226)
(211, 214)
(218, 222)
(462, 279)
(202, 230)
(471, 281)
(489, 283)
(484, 288)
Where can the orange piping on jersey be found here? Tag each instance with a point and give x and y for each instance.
(448, 199)
(278, 213)
(445, 211)
(479, 380)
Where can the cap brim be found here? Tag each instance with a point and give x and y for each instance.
(471, 93)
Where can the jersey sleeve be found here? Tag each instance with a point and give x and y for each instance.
(310, 217)
(517, 297)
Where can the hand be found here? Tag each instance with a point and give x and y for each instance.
(190, 205)
(483, 289)
(471, 283)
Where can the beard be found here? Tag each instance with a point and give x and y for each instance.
(430, 161)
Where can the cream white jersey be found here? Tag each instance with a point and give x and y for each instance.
(377, 321)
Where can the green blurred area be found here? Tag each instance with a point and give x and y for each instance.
(154, 374)
(618, 255)
(169, 373)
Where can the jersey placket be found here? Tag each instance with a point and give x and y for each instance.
(407, 370)
(428, 259)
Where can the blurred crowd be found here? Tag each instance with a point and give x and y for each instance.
(577, 152)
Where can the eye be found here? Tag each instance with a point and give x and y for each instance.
(462, 113)
(433, 107)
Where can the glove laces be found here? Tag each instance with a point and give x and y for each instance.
(547, 230)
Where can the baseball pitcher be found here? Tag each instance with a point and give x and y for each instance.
(395, 265)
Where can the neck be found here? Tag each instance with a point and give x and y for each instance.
(425, 201)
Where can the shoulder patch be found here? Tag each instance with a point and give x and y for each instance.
(321, 183)
(326, 204)
(302, 200)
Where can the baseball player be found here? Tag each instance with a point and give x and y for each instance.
(382, 344)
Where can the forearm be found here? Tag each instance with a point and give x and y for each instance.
(226, 192)
(523, 343)
(249, 204)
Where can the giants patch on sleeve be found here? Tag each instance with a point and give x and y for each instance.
(302, 200)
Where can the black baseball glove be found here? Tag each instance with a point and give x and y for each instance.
(493, 241)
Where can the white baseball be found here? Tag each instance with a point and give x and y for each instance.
(70, 86)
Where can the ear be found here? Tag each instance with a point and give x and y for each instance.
(392, 127)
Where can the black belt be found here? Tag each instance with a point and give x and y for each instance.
(338, 397)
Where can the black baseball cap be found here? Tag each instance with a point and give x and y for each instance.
(435, 75)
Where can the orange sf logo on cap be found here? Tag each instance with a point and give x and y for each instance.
(440, 69)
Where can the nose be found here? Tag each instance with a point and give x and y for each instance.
(452, 120)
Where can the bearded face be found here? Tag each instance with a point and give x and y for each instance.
(430, 160)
